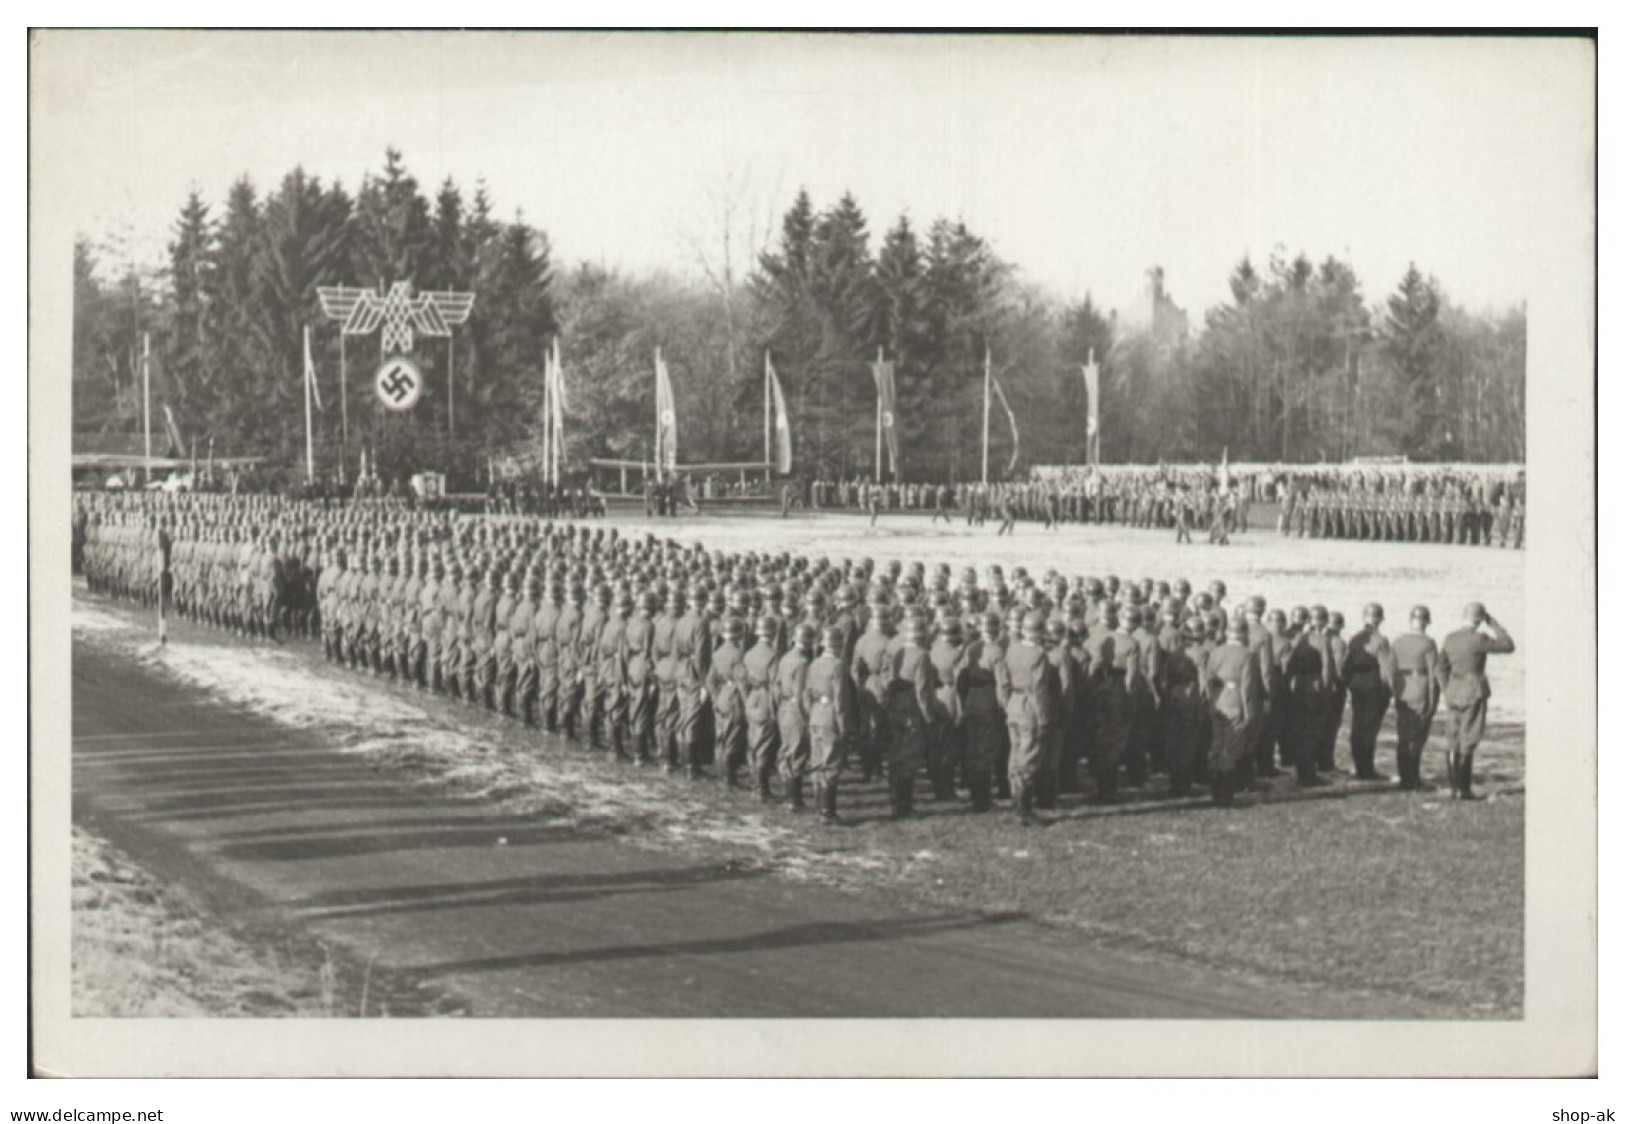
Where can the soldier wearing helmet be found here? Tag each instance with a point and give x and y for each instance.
(1466, 688)
(611, 656)
(761, 723)
(1145, 735)
(1416, 695)
(638, 680)
(1337, 698)
(691, 649)
(824, 696)
(726, 683)
(911, 707)
(790, 711)
(1272, 648)
(1369, 671)
(1113, 660)
(468, 595)
(1309, 678)
(1058, 769)
(982, 717)
(579, 665)
(1236, 695)
(1028, 693)
(944, 739)
(500, 696)
(520, 689)
(869, 678)
(1184, 719)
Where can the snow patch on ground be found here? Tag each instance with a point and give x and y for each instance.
(521, 772)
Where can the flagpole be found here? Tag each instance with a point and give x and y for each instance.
(310, 437)
(987, 402)
(767, 413)
(146, 400)
(660, 459)
(558, 411)
(547, 421)
(344, 409)
(1092, 440)
(451, 385)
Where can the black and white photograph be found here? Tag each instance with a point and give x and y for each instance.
(627, 545)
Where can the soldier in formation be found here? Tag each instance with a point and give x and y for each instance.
(776, 671)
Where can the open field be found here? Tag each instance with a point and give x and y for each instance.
(1358, 893)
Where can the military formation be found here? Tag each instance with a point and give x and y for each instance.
(1196, 502)
(1424, 506)
(1458, 517)
(783, 673)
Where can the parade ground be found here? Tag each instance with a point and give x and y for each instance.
(318, 841)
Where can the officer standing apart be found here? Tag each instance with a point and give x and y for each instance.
(1467, 688)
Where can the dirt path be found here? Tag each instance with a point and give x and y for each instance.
(279, 830)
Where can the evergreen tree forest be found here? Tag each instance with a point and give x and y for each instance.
(1301, 363)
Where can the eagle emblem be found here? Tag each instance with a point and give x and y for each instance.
(402, 314)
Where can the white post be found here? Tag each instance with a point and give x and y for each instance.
(310, 438)
(547, 422)
(987, 393)
(146, 400)
(344, 409)
(880, 357)
(558, 411)
(767, 414)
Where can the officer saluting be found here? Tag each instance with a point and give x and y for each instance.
(1467, 688)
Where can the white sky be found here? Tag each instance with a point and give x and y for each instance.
(1083, 161)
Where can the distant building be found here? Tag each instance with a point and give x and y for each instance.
(1155, 314)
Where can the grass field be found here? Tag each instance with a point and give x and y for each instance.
(1356, 888)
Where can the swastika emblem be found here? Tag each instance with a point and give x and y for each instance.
(886, 419)
(399, 383)
(668, 417)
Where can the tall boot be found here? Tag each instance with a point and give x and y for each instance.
(1453, 764)
(793, 787)
(1045, 791)
(1025, 797)
(764, 785)
(826, 803)
(1464, 771)
(981, 791)
(902, 796)
(1410, 769)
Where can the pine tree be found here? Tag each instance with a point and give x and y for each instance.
(1411, 341)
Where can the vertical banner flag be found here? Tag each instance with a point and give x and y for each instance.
(1091, 380)
(1224, 470)
(886, 389)
(546, 419)
(557, 367)
(1015, 434)
(310, 374)
(781, 422)
(177, 447)
(665, 418)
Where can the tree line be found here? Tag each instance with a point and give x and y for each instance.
(1297, 365)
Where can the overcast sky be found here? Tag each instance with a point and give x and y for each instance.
(1084, 161)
